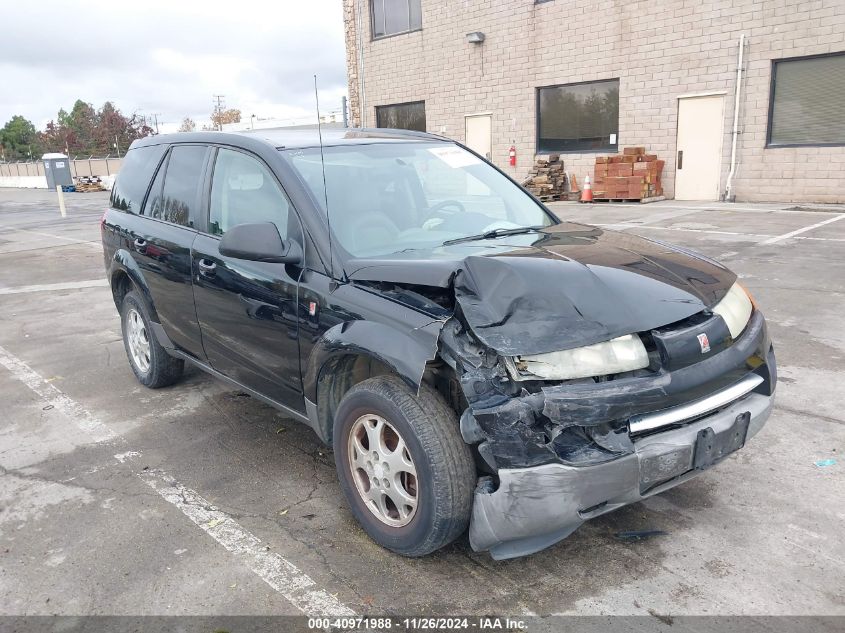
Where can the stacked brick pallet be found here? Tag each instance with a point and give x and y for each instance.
(547, 180)
(632, 175)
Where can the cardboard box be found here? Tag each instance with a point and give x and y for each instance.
(633, 151)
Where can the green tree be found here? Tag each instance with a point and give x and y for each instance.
(20, 140)
(86, 131)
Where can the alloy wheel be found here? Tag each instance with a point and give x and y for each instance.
(138, 340)
(384, 473)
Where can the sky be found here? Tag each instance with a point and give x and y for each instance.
(171, 57)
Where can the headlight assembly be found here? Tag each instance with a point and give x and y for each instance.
(625, 353)
(735, 308)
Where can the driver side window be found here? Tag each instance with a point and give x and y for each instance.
(243, 191)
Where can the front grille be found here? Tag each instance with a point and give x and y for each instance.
(685, 413)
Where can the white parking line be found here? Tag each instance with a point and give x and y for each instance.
(282, 575)
(56, 398)
(279, 573)
(69, 285)
(97, 244)
(785, 236)
(769, 238)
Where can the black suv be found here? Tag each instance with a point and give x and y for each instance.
(472, 359)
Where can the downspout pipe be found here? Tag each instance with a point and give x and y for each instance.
(729, 194)
(362, 95)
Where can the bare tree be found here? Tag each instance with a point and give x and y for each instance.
(220, 117)
(188, 125)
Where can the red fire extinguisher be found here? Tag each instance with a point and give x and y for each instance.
(512, 155)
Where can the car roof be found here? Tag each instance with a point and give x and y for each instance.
(281, 138)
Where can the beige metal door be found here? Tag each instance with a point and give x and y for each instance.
(479, 134)
(699, 158)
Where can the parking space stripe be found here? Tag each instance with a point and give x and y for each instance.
(56, 398)
(286, 578)
(69, 285)
(96, 244)
(279, 573)
(785, 236)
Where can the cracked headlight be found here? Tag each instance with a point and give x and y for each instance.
(735, 308)
(618, 355)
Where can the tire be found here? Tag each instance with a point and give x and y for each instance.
(155, 368)
(444, 472)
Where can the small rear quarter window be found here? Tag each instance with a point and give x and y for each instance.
(134, 177)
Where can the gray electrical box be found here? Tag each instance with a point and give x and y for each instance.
(57, 170)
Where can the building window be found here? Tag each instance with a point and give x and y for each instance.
(391, 17)
(402, 116)
(806, 101)
(581, 117)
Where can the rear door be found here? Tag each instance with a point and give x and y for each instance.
(248, 310)
(160, 240)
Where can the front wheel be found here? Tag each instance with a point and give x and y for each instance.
(405, 470)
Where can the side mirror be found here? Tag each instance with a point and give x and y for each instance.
(259, 242)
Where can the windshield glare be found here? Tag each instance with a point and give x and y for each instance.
(388, 197)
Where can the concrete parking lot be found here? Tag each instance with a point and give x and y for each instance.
(197, 499)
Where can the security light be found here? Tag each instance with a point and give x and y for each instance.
(476, 37)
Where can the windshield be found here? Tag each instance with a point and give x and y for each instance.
(389, 197)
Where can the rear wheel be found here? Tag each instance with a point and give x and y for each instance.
(152, 365)
(405, 470)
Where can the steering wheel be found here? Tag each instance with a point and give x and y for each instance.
(440, 208)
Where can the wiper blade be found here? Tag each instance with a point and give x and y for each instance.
(489, 235)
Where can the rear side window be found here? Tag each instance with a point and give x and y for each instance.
(177, 200)
(134, 177)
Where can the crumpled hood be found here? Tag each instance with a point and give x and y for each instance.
(567, 286)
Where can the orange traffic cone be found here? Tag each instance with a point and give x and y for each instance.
(587, 193)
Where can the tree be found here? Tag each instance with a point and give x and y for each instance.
(220, 117)
(188, 125)
(87, 131)
(20, 140)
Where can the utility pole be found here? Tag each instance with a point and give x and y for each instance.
(155, 118)
(219, 106)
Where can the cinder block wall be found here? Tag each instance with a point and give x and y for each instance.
(658, 50)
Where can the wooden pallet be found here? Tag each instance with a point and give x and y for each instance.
(89, 187)
(637, 200)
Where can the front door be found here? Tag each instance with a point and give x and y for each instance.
(248, 310)
(479, 134)
(699, 159)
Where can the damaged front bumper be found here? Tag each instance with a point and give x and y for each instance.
(533, 508)
(577, 450)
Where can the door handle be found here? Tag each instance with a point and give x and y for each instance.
(207, 268)
(140, 244)
(680, 159)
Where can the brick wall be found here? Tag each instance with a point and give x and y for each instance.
(658, 50)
